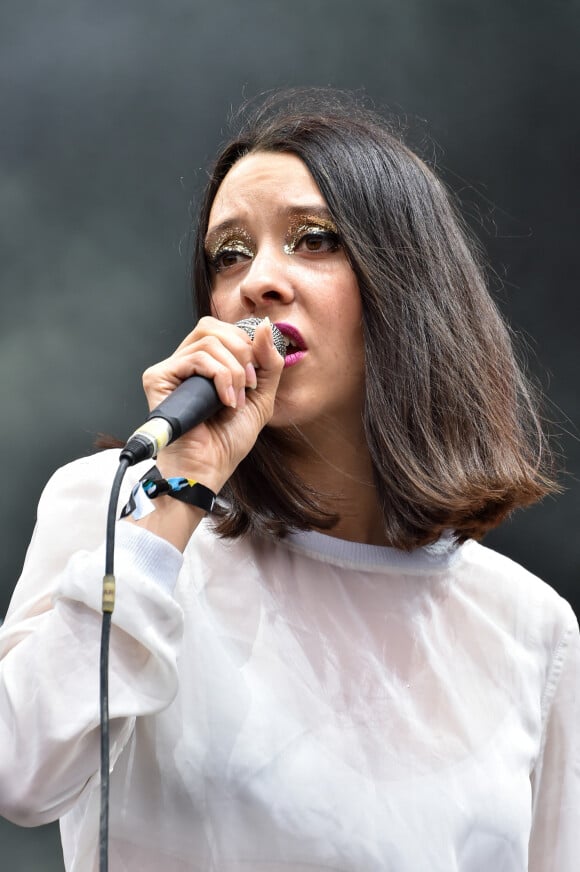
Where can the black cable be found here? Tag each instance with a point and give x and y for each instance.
(104, 701)
(108, 605)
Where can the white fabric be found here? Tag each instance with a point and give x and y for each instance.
(308, 705)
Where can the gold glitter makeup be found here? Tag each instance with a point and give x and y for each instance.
(231, 240)
(313, 226)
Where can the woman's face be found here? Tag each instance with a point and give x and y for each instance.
(274, 250)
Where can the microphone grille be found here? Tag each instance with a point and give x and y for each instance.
(249, 326)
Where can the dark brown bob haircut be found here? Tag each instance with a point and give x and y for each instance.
(450, 421)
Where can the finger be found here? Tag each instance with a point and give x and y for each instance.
(213, 361)
(238, 342)
(268, 358)
(270, 365)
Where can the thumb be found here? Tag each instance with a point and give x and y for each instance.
(269, 360)
(270, 364)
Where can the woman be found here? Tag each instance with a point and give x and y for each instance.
(388, 694)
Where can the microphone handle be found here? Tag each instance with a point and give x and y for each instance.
(194, 401)
(190, 404)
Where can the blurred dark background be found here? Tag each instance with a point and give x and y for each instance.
(110, 113)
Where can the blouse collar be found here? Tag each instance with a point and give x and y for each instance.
(438, 556)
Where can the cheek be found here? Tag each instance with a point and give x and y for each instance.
(221, 306)
(348, 308)
(354, 337)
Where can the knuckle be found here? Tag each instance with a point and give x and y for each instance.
(205, 323)
(209, 344)
(239, 373)
(149, 376)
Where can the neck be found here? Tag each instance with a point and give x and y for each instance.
(338, 465)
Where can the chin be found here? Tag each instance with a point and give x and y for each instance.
(296, 406)
(283, 419)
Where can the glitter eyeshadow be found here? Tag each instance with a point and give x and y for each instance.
(302, 225)
(234, 239)
(237, 240)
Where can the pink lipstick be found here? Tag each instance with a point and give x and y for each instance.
(296, 346)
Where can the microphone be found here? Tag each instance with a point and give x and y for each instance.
(192, 402)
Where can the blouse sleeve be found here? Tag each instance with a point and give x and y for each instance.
(50, 642)
(555, 836)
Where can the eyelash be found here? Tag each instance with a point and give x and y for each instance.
(320, 235)
(311, 233)
(216, 261)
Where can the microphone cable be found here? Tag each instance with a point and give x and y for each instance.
(108, 604)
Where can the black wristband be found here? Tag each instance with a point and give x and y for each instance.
(183, 489)
(186, 490)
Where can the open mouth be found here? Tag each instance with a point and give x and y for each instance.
(292, 338)
(295, 344)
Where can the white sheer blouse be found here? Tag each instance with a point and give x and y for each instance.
(306, 705)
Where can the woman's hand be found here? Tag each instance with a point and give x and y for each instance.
(246, 375)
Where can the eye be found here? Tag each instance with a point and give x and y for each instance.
(319, 240)
(314, 239)
(230, 255)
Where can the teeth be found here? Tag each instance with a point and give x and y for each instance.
(286, 341)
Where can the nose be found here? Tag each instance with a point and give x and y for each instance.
(267, 281)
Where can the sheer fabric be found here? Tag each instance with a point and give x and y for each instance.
(311, 704)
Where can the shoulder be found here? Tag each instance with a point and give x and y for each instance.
(516, 598)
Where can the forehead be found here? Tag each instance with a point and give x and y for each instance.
(264, 180)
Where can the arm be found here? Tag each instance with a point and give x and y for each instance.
(49, 645)
(555, 836)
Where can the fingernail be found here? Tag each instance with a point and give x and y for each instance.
(232, 397)
(269, 323)
(241, 398)
(251, 378)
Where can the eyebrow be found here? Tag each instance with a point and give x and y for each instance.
(290, 212)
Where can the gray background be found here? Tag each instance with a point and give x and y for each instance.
(111, 111)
